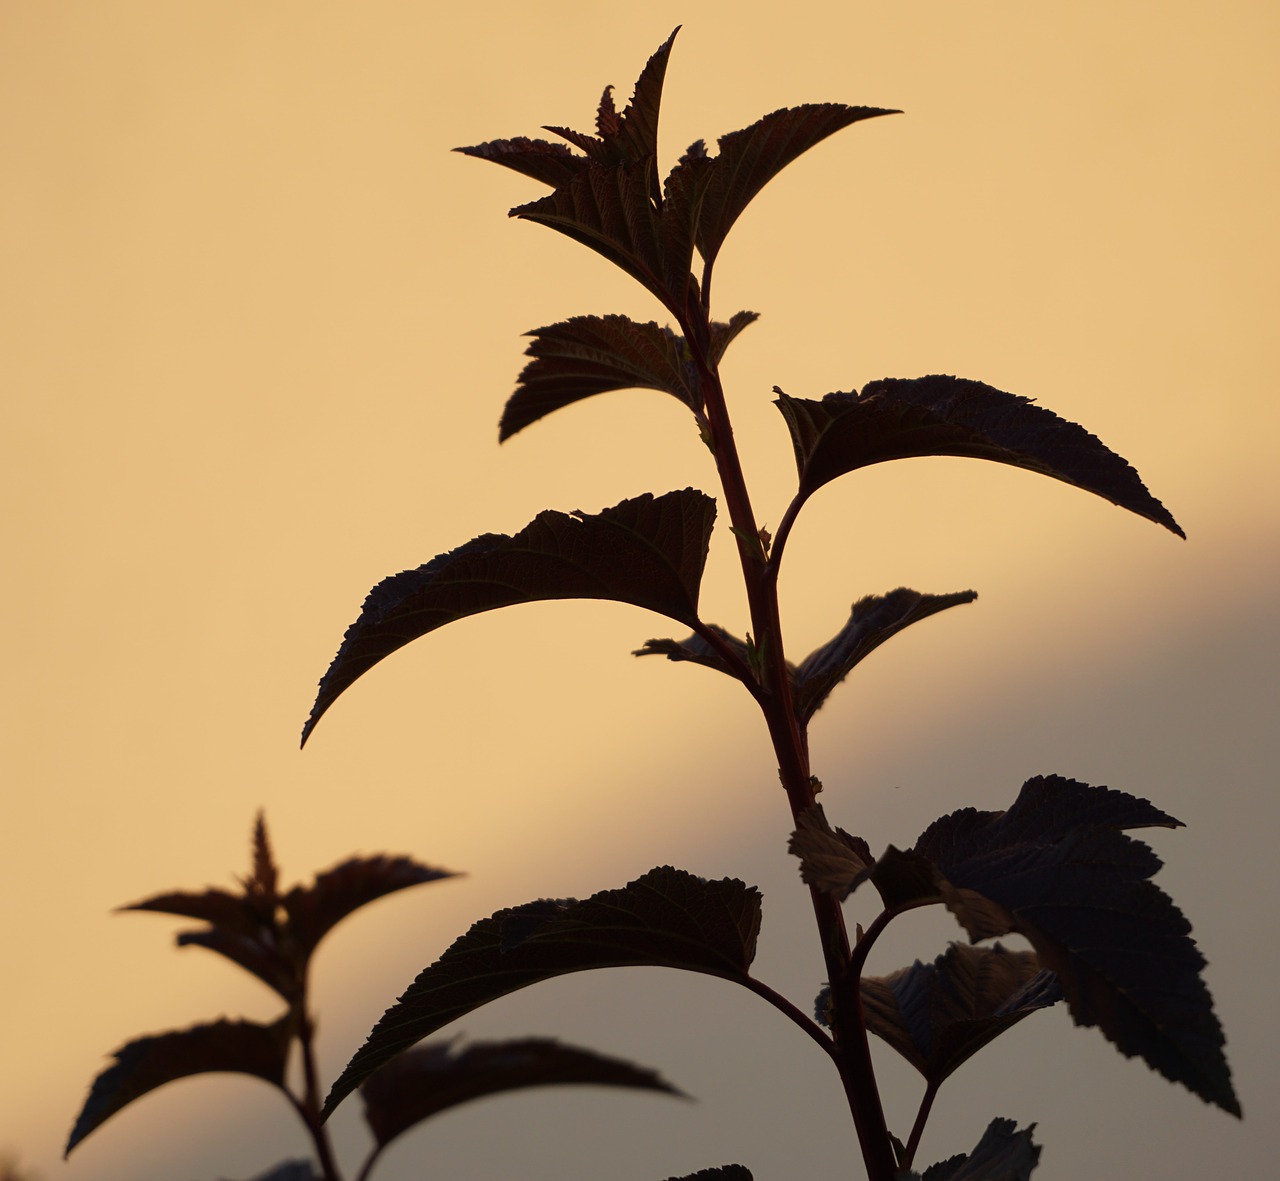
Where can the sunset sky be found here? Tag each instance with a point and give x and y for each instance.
(257, 325)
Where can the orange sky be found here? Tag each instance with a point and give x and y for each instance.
(256, 328)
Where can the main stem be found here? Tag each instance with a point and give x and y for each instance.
(853, 1056)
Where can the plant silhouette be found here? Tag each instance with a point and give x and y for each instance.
(1058, 867)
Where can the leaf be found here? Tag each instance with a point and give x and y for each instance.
(553, 164)
(589, 355)
(140, 1066)
(264, 955)
(648, 551)
(723, 1173)
(750, 158)
(289, 1170)
(1001, 1155)
(666, 918)
(938, 1015)
(872, 620)
(315, 910)
(421, 1082)
(898, 419)
(698, 651)
(830, 859)
(837, 864)
(611, 211)
(1057, 868)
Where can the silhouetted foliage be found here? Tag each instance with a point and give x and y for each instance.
(1058, 867)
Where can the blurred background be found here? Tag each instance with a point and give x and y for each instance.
(257, 325)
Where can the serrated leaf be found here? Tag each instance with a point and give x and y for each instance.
(140, 1066)
(830, 859)
(722, 1173)
(940, 1014)
(938, 415)
(589, 355)
(697, 650)
(553, 164)
(872, 620)
(748, 159)
(666, 918)
(611, 211)
(1002, 1154)
(315, 910)
(1057, 868)
(648, 551)
(429, 1079)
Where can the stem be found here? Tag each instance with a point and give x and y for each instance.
(851, 1053)
(780, 1002)
(917, 1129)
(309, 1105)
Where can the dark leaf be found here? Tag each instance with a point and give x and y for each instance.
(698, 651)
(553, 164)
(830, 858)
(898, 419)
(290, 1170)
(1057, 868)
(723, 1173)
(314, 910)
(242, 1047)
(938, 1015)
(1002, 1154)
(750, 158)
(216, 907)
(428, 1079)
(262, 955)
(648, 551)
(872, 621)
(611, 210)
(666, 918)
(589, 355)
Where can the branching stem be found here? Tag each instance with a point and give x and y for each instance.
(850, 1050)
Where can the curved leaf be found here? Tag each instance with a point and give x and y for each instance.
(872, 620)
(666, 918)
(553, 164)
(648, 551)
(242, 1047)
(315, 910)
(697, 650)
(939, 1015)
(750, 158)
(421, 1082)
(1002, 1154)
(589, 355)
(1057, 868)
(898, 419)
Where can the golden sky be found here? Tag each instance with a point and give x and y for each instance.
(257, 325)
